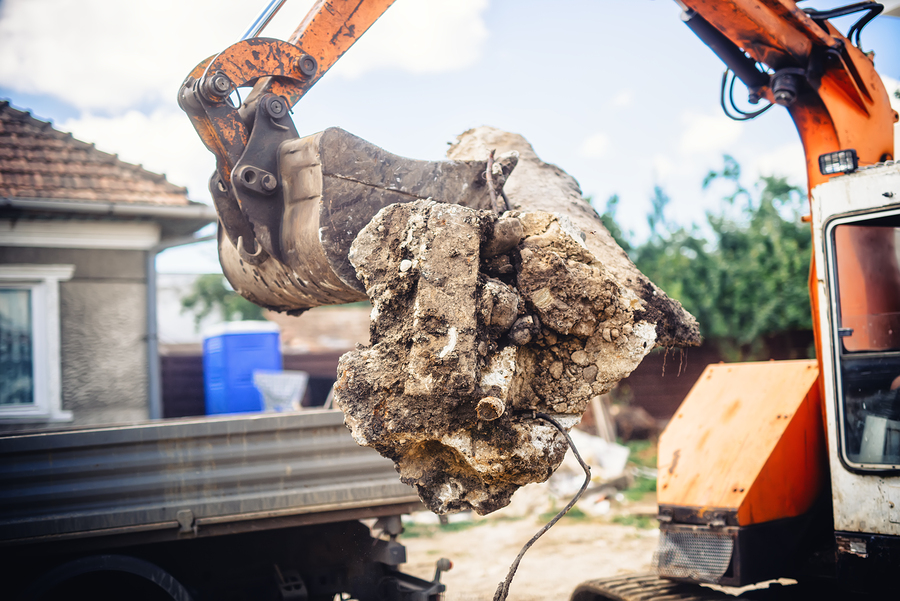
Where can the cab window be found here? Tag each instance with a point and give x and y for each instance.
(867, 267)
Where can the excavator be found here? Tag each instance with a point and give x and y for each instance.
(777, 480)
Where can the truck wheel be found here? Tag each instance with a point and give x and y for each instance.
(107, 577)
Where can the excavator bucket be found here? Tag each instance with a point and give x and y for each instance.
(333, 183)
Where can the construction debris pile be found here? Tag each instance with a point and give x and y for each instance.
(480, 320)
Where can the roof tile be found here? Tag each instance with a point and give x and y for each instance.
(38, 161)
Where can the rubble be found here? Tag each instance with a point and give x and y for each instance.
(462, 354)
(478, 322)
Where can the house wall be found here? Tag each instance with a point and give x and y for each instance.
(103, 314)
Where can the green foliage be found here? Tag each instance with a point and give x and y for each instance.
(429, 530)
(211, 293)
(641, 452)
(640, 488)
(744, 275)
(608, 217)
(644, 522)
(573, 514)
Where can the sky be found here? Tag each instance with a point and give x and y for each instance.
(619, 93)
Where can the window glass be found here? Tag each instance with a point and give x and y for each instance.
(869, 279)
(870, 390)
(868, 347)
(16, 348)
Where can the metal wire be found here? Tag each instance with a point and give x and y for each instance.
(738, 114)
(503, 588)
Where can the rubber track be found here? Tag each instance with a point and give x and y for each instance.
(644, 587)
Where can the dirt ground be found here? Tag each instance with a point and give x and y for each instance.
(574, 550)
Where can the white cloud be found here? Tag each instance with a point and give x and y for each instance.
(787, 160)
(109, 55)
(596, 146)
(708, 133)
(163, 142)
(622, 99)
(420, 36)
(663, 167)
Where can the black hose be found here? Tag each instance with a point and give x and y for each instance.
(741, 115)
(503, 588)
(853, 34)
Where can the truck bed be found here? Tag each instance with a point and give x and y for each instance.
(190, 478)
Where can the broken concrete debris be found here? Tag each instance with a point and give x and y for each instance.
(478, 321)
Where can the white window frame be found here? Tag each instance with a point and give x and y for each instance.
(43, 282)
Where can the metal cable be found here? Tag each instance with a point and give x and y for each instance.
(741, 115)
(503, 588)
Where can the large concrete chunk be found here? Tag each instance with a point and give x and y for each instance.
(481, 320)
(478, 322)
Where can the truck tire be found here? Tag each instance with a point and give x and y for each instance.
(55, 583)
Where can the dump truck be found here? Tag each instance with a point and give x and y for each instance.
(247, 506)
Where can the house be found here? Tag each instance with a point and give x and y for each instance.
(79, 232)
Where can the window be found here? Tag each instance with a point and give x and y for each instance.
(869, 274)
(30, 384)
(16, 347)
(866, 259)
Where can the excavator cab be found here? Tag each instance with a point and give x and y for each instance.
(856, 224)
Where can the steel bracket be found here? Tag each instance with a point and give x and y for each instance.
(255, 180)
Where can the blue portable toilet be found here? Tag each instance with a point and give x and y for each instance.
(232, 351)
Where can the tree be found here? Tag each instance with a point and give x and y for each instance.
(744, 274)
(210, 293)
(608, 218)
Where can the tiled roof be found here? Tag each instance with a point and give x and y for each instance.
(40, 162)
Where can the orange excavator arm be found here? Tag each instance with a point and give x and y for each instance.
(246, 182)
(286, 69)
(796, 58)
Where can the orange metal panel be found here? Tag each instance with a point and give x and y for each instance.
(748, 438)
(331, 27)
(794, 475)
(774, 32)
